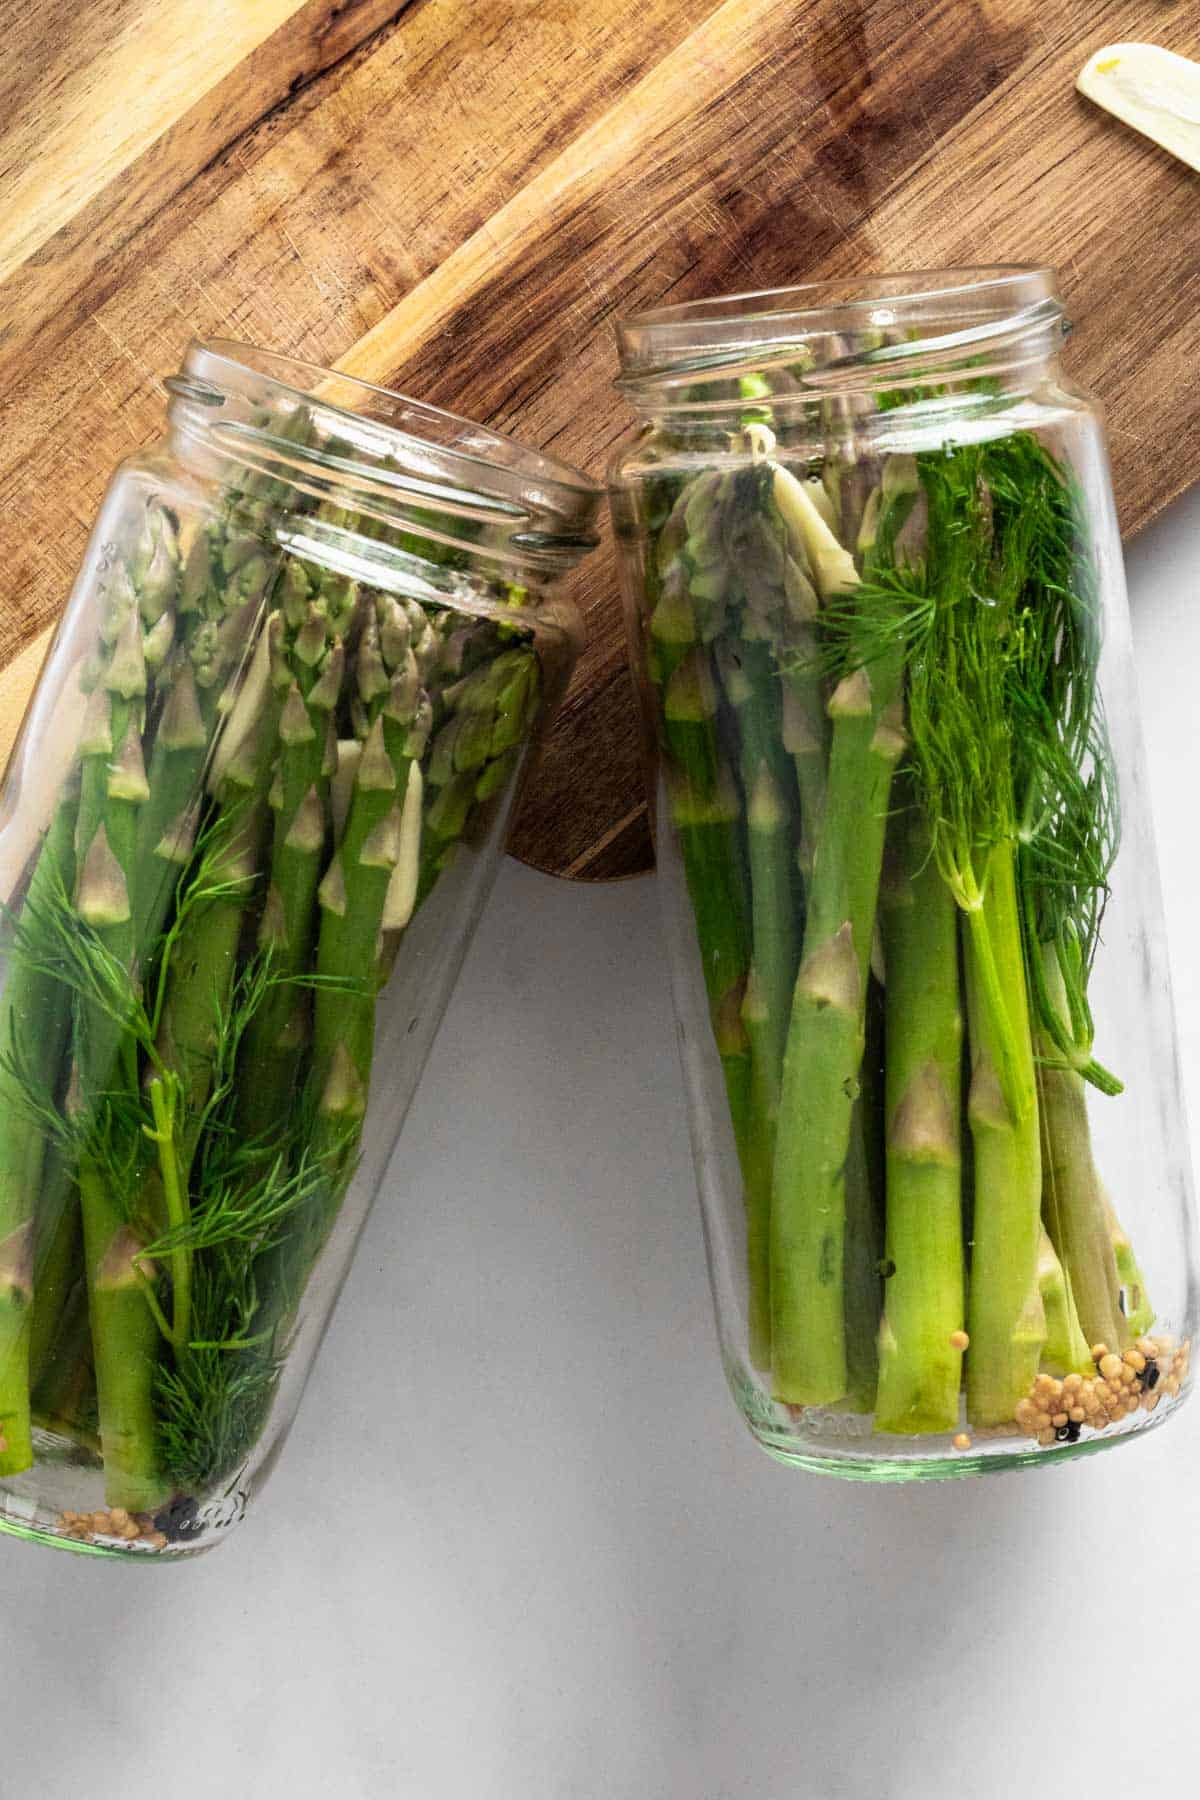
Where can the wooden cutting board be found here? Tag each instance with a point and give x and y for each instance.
(458, 196)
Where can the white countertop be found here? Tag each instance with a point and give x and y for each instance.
(520, 1546)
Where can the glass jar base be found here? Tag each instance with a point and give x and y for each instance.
(859, 1458)
(60, 1502)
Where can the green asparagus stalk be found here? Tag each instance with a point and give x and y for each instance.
(706, 812)
(1066, 1350)
(58, 1262)
(64, 1391)
(863, 1260)
(862, 1288)
(216, 621)
(789, 554)
(1007, 1313)
(1073, 1201)
(474, 750)
(921, 1338)
(124, 1334)
(34, 1015)
(353, 895)
(276, 1041)
(1138, 1312)
(692, 584)
(124, 1344)
(204, 952)
(825, 1037)
(753, 688)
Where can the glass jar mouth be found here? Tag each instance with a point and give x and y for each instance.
(838, 335)
(392, 454)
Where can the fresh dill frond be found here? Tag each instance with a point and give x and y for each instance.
(957, 676)
(214, 1397)
(49, 938)
(998, 623)
(250, 1206)
(26, 1090)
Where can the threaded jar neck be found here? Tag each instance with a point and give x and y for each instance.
(474, 498)
(877, 340)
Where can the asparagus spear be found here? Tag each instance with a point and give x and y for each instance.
(1066, 1349)
(275, 1043)
(130, 839)
(825, 1035)
(124, 1334)
(696, 579)
(204, 951)
(64, 1391)
(216, 611)
(354, 890)
(1007, 1314)
(920, 1341)
(1073, 1201)
(863, 1258)
(752, 687)
(474, 751)
(34, 1015)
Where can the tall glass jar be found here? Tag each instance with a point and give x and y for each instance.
(876, 607)
(258, 799)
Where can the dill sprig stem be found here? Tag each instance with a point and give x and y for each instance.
(1008, 1054)
(164, 1103)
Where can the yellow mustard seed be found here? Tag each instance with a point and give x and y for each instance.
(959, 1340)
(962, 1441)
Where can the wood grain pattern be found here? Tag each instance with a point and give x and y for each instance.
(66, 139)
(459, 198)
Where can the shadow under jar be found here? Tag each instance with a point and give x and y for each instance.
(876, 605)
(257, 802)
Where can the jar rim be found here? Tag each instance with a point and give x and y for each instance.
(273, 363)
(375, 440)
(836, 323)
